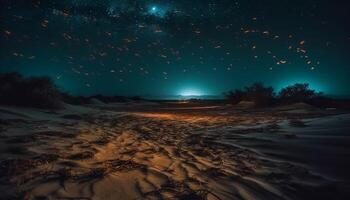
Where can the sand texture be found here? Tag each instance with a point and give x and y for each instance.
(174, 152)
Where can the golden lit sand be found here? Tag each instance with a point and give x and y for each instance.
(149, 155)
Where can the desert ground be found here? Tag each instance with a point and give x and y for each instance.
(174, 150)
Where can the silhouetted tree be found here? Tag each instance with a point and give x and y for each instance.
(9, 83)
(259, 94)
(38, 92)
(299, 92)
(235, 96)
(42, 92)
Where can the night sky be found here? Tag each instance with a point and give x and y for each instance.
(177, 47)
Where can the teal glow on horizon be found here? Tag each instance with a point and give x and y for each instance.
(191, 92)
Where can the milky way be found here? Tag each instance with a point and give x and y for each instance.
(156, 48)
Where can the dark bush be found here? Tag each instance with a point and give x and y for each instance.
(235, 96)
(260, 95)
(37, 92)
(298, 93)
(257, 93)
(9, 83)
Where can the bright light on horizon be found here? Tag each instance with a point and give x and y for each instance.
(191, 92)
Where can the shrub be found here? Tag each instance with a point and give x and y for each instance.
(235, 96)
(298, 93)
(8, 86)
(257, 93)
(260, 95)
(37, 92)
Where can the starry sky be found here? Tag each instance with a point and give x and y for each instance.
(177, 47)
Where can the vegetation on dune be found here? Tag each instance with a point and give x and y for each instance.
(298, 93)
(38, 92)
(235, 96)
(266, 96)
(41, 92)
(260, 94)
(257, 93)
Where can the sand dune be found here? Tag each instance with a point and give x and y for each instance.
(94, 153)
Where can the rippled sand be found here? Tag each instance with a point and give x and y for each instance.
(173, 152)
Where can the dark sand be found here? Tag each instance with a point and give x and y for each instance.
(174, 151)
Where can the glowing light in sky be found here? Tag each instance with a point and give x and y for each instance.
(191, 92)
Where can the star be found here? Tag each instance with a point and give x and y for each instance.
(158, 11)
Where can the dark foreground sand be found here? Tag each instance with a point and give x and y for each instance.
(157, 151)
